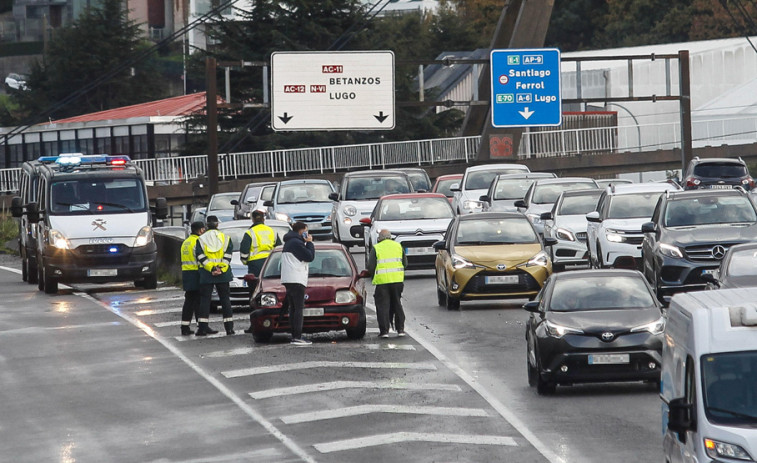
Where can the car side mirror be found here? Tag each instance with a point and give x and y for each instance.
(593, 217)
(520, 204)
(234, 202)
(550, 241)
(484, 198)
(454, 187)
(363, 274)
(268, 203)
(440, 245)
(649, 227)
(357, 231)
(366, 221)
(17, 209)
(252, 281)
(546, 216)
(531, 306)
(161, 208)
(334, 196)
(679, 416)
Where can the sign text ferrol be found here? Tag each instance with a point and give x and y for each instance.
(332, 90)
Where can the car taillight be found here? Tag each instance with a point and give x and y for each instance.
(748, 183)
(691, 181)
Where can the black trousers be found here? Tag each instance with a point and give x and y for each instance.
(191, 306)
(296, 299)
(206, 290)
(388, 300)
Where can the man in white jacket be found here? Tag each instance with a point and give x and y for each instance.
(298, 252)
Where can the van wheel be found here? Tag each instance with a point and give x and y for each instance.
(358, 332)
(262, 337)
(150, 282)
(24, 269)
(50, 284)
(40, 278)
(31, 271)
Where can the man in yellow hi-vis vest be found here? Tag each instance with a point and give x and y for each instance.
(387, 262)
(257, 243)
(190, 277)
(214, 250)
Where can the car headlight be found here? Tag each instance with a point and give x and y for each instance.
(656, 327)
(558, 331)
(717, 449)
(613, 236)
(345, 296)
(470, 204)
(460, 262)
(349, 210)
(283, 217)
(247, 214)
(565, 235)
(58, 240)
(540, 258)
(670, 251)
(268, 299)
(144, 236)
(534, 218)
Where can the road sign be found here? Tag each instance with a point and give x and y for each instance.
(332, 90)
(526, 87)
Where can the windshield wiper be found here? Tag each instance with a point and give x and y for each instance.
(733, 413)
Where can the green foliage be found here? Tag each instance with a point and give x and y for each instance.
(21, 48)
(8, 232)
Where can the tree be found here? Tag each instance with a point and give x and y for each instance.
(575, 24)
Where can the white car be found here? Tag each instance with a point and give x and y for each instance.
(476, 181)
(508, 188)
(544, 192)
(614, 229)
(567, 224)
(416, 221)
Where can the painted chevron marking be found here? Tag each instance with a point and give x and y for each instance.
(335, 385)
(393, 438)
(318, 345)
(326, 364)
(368, 409)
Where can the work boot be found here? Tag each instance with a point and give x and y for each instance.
(186, 330)
(229, 326)
(204, 329)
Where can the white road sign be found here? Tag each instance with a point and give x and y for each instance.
(332, 90)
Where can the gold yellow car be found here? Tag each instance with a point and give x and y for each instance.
(490, 255)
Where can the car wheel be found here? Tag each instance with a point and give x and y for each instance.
(262, 337)
(543, 387)
(441, 298)
(451, 302)
(49, 284)
(533, 374)
(600, 264)
(24, 269)
(358, 332)
(31, 271)
(40, 277)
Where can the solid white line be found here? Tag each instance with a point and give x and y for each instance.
(220, 334)
(367, 409)
(12, 270)
(325, 364)
(393, 438)
(245, 407)
(318, 345)
(143, 313)
(505, 412)
(212, 320)
(320, 387)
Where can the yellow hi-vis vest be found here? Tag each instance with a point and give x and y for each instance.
(389, 267)
(263, 240)
(216, 257)
(188, 258)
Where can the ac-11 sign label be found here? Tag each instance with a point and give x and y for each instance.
(332, 90)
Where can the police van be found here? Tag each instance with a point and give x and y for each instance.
(91, 221)
(709, 377)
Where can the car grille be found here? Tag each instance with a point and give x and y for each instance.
(704, 252)
(99, 255)
(581, 236)
(309, 218)
(633, 240)
(478, 285)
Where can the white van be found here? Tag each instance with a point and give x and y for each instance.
(709, 377)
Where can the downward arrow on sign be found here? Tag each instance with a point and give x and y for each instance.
(286, 118)
(381, 117)
(525, 113)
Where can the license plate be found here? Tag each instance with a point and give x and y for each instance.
(606, 359)
(314, 226)
(419, 251)
(710, 271)
(721, 187)
(502, 280)
(313, 312)
(102, 272)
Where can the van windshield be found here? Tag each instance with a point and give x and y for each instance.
(97, 196)
(729, 382)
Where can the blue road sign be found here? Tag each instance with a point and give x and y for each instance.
(526, 87)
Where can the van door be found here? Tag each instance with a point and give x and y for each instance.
(684, 450)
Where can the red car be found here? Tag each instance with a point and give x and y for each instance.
(334, 297)
(444, 182)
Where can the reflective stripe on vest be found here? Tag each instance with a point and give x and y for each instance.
(217, 258)
(188, 258)
(263, 239)
(389, 267)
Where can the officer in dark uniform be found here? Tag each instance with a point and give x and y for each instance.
(190, 277)
(214, 251)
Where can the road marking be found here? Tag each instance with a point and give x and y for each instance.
(397, 437)
(367, 409)
(505, 412)
(12, 270)
(212, 320)
(118, 303)
(334, 385)
(146, 312)
(317, 345)
(326, 364)
(246, 456)
(220, 334)
(215, 382)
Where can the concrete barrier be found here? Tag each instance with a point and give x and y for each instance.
(169, 257)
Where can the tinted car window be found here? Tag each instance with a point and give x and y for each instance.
(578, 205)
(304, 192)
(709, 210)
(480, 180)
(548, 193)
(495, 231)
(512, 189)
(632, 205)
(419, 181)
(728, 387)
(726, 170)
(375, 187)
(327, 262)
(414, 208)
(617, 292)
(102, 195)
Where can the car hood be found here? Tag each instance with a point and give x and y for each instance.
(705, 234)
(576, 223)
(492, 255)
(364, 207)
(224, 215)
(503, 205)
(319, 289)
(539, 208)
(600, 321)
(632, 225)
(472, 194)
(306, 208)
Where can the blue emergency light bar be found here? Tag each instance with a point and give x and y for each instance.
(76, 159)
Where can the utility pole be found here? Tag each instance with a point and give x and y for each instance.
(212, 111)
(686, 141)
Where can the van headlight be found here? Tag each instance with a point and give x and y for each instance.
(345, 296)
(268, 299)
(656, 327)
(717, 449)
(558, 331)
(671, 251)
(144, 237)
(540, 258)
(349, 210)
(57, 239)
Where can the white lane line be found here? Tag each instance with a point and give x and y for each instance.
(317, 345)
(326, 364)
(212, 320)
(237, 457)
(505, 412)
(368, 409)
(12, 270)
(238, 401)
(146, 312)
(332, 386)
(220, 334)
(397, 437)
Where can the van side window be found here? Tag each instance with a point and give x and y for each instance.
(690, 390)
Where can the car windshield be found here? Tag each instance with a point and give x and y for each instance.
(236, 234)
(414, 209)
(98, 195)
(512, 188)
(516, 230)
(481, 179)
(600, 293)
(366, 188)
(443, 186)
(304, 193)
(632, 205)
(549, 192)
(724, 170)
(221, 202)
(709, 210)
(729, 384)
(743, 263)
(419, 180)
(252, 194)
(578, 205)
(327, 263)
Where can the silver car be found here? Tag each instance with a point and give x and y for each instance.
(505, 189)
(567, 224)
(544, 192)
(476, 181)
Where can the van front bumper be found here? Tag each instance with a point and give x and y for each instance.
(89, 265)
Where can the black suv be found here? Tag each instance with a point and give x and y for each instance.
(690, 233)
(717, 173)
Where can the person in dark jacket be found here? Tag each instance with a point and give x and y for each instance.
(214, 251)
(190, 277)
(298, 252)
